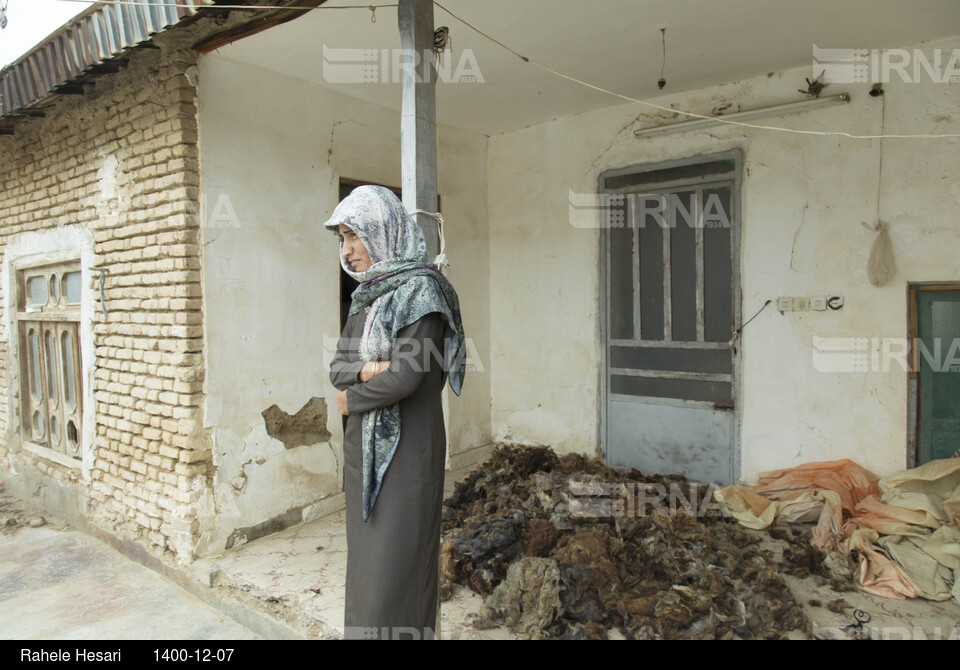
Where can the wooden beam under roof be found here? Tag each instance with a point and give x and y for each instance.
(297, 9)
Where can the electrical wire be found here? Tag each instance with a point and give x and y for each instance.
(525, 59)
(883, 121)
(739, 331)
(718, 119)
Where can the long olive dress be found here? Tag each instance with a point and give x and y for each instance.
(392, 558)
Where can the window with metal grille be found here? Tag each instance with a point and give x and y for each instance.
(48, 318)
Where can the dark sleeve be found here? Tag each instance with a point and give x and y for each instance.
(345, 372)
(410, 362)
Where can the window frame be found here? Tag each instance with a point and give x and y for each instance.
(59, 320)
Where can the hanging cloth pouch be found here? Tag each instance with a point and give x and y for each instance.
(880, 267)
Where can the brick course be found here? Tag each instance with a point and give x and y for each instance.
(150, 461)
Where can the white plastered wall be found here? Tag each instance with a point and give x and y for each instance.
(803, 201)
(273, 149)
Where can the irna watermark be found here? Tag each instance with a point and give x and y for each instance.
(883, 354)
(604, 500)
(638, 210)
(205, 211)
(386, 66)
(420, 356)
(387, 633)
(878, 66)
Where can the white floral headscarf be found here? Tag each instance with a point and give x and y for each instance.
(398, 289)
(382, 223)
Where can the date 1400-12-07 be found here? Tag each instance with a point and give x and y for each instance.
(184, 654)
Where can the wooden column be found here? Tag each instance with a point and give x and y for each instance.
(418, 121)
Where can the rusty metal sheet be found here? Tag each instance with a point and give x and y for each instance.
(96, 35)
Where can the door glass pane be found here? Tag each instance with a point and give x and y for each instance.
(37, 290)
(73, 439)
(71, 286)
(69, 377)
(33, 347)
(717, 265)
(651, 268)
(39, 425)
(683, 264)
(54, 288)
(50, 344)
(621, 280)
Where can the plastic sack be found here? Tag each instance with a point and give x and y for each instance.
(850, 481)
(879, 574)
(828, 489)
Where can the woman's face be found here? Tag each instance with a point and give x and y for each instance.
(353, 250)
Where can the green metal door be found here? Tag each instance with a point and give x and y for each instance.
(938, 331)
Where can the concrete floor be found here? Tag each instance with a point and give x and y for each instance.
(57, 583)
(299, 574)
(304, 568)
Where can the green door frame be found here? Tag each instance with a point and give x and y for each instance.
(919, 449)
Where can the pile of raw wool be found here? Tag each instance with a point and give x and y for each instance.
(521, 532)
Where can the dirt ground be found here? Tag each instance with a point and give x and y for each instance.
(16, 514)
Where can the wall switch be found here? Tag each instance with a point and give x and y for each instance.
(801, 304)
(818, 303)
(784, 304)
(835, 302)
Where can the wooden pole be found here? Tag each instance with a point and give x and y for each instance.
(418, 132)
(418, 120)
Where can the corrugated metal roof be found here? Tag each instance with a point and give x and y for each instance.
(95, 36)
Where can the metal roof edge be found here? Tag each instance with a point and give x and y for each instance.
(94, 36)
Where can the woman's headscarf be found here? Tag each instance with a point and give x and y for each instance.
(399, 288)
(392, 238)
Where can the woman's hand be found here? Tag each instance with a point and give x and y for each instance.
(372, 369)
(367, 372)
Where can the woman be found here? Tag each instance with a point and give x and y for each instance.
(389, 382)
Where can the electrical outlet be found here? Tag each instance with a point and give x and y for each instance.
(784, 304)
(801, 304)
(818, 303)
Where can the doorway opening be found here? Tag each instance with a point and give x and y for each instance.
(347, 283)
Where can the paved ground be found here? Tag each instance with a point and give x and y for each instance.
(57, 583)
(303, 569)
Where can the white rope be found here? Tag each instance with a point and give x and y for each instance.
(441, 260)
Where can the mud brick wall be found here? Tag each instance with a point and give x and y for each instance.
(121, 160)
